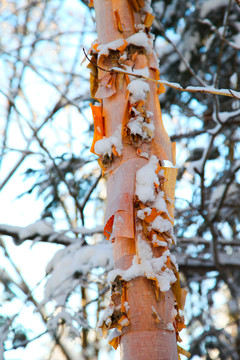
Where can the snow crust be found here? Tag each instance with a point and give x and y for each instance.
(104, 146)
(141, 39)
(42, 228)
(148, 7)
(139, 127)
(114, 334)
(160, 224)
(138, 89)
(145, 179)
(143, 72)
(160, 203)
(149, 266)
(113, 45)
(142, 213)
(159, 242)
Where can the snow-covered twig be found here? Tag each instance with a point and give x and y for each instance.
(192, 89)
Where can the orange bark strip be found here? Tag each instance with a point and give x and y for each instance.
(106, 23)
(115, 342)
(141, 3)
(183, 352)
(135, 5)
(180, 294)
(118, 20)
(174, 153)
(152, 216)
(123, 47)
(106, 87)
(123, 321)
(114, 151)
(93, 79)
(98, 125)
(95, 46)
(149, 20)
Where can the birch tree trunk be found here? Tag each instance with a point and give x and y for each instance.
(133, 147)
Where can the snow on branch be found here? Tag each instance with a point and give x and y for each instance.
(43, 230)
(71, 265)
(193, 89)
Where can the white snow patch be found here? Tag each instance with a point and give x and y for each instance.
(127, 306)
(42, 228)
(113, 45)
(159, 242)
(148, 7)
(234, 80)
(104, 146)
(190, 41)
(174, 313)
(170, 327)
(114, 334)
(138, 89)
(141, 214)
(145, 179)
(149, 266)
(161, 225)
(137, 126)
(143, 72)
(167, 163)
(160, 203)
(141, 39)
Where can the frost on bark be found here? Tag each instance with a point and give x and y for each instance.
(138, 159)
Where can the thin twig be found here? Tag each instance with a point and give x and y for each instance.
(176, 86)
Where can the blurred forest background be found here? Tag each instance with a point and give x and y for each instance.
(54, 259)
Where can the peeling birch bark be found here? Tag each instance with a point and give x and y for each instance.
(146, 295)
